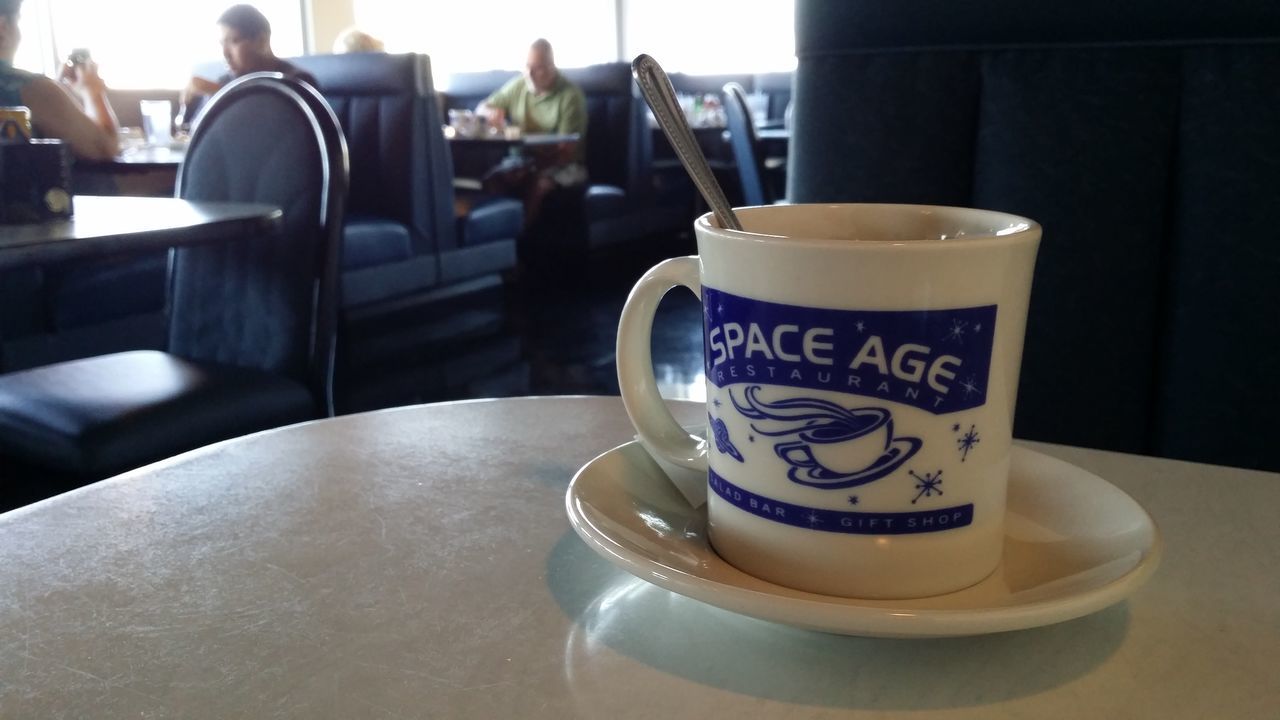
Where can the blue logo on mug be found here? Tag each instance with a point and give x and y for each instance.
(811, 421)
(935, 360)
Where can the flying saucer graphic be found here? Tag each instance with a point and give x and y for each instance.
(833, 447)
(720, 432)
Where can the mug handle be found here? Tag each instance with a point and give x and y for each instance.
(649, 414)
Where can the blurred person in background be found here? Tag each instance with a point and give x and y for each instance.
(541, 101)
(354, 40)
(74, 110)
(246, 46)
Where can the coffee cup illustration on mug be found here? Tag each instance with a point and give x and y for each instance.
(861, 369)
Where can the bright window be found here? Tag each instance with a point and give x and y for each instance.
(707, 37)
(495, 34)
(693, 36)
(158, 52)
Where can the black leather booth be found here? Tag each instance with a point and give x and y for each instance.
(1142, 136)
(402, 236)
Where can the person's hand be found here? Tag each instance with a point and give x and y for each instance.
(83, 78)
(496, 117)
(197, 86)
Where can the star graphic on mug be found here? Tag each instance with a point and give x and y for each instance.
(977, 327)
(716, 402)
(957, 330)
(927, 485)
(966, 442)
(853, 499)
(860, 326)
(970, 386)
(813, 518)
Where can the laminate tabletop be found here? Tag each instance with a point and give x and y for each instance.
(418, 563)
(110, 225)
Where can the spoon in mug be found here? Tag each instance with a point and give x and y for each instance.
(661, 96)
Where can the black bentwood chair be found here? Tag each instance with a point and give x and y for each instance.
(251, 320)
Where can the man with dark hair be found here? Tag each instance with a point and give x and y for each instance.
(75, 111)
(246, 46)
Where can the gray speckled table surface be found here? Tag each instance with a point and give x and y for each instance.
(417, 563)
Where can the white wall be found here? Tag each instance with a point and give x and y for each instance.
(324, 19)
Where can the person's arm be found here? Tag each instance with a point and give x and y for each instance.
(91, 132)
(573, 117)
(196, 87)
(498, 104)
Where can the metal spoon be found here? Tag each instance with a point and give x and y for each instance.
(657, 90)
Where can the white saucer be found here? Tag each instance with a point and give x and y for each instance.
(1074, 544)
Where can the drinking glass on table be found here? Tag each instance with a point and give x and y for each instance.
(157, 121)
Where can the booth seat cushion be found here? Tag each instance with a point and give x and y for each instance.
(114, 412)
(489, 219)
(369, 241)
(604, 201)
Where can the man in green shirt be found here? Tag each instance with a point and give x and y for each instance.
(541, 101)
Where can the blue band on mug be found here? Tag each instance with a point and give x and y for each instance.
(936, 360)
(841, 521)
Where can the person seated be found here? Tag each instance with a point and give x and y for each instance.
(541, 101)
(246, 46)
(75, 110)
(354, 40)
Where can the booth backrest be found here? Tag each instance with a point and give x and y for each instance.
(400, 166)
(615, 123)
(464, 91)
(1141, 135)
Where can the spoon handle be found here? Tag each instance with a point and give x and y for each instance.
(657, 90)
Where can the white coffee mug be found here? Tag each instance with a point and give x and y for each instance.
(862, 367)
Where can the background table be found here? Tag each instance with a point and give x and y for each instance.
(417, 563)
(140, 169)
(109, 225)
(474, 157)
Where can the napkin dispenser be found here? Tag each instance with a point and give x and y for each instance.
(35, 181)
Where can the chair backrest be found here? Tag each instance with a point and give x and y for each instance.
(1141, 135)
(746, 148)
(266, 302)
(400, 164)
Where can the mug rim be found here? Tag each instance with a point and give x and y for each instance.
(1020, 228)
